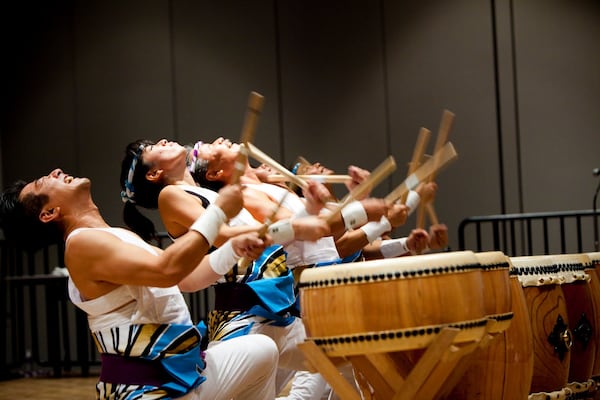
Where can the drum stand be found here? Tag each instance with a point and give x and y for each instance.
(383, 373)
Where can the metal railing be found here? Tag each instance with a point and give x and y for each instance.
(42, 332)
(530, 233)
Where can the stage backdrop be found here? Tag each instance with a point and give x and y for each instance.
(345, 82)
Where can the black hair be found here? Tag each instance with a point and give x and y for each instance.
(19, 219)
(138, 191)
(199, 170)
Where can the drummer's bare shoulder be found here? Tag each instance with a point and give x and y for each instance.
(176, 205)
(100, 255)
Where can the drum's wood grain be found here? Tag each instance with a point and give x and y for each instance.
(546, 304)
(594, 272)
(504, 368)
(383, 296)
(580, 310)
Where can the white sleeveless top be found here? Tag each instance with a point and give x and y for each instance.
(130, 304)
(243, 218)
(299, 252)
(291, 202)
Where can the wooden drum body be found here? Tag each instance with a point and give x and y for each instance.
(496, 289)
(549, 322)
(392, 304)
(575, 282)
(503, 369)
(594, 272)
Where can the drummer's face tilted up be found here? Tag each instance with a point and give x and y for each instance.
(221, 155)
(61, 189)
(165, 155)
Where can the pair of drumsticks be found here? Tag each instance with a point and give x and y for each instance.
(419, 155)
(419, 171)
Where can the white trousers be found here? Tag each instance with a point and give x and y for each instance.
(242, 368)
(312, 386)
(291, 358)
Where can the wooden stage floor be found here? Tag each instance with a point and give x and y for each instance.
(72, 388)
(65, 388)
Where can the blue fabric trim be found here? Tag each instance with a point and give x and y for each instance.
(277, 294)
(184, 368)
(276, 320)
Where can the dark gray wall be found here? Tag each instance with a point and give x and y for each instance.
(345, 82)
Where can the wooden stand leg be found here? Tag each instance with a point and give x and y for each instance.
(325, 367)
(380, 371)
(469, 352)
(366, 390)
(438, 381)
(442, 360)
(424, 382)
(420, 373)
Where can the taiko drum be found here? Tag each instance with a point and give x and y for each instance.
(549, 321)
(392, 304)
(575, 281)
(594, 272)
(503, 369)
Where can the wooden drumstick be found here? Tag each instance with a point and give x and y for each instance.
(418, 152)
(438, 161)
(327, 178)
(443, 133)
(255, 105)
(263, 158)
(381, 172)
(318, 178)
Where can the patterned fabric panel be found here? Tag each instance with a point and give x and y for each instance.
(177, 347)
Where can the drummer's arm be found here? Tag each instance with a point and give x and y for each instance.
(355, 240)
(350, 242)
(416, 242)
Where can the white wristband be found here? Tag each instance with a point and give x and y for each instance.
(209, 223)
(282, 231)
(354, 215)
(374, 230)
(412, 201)
(393, 247)
(412, 181)
(223, 259)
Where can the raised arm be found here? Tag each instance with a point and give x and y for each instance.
(98, 261)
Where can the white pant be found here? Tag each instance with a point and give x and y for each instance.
(291, 358)
(239, 368)
(312, 386)
(308, 386)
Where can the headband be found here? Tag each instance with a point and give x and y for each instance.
(128, 194)
(295, 169)
(193, 157)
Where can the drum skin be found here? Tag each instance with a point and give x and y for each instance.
(392, 304)
(504, 368)
(548, 318)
